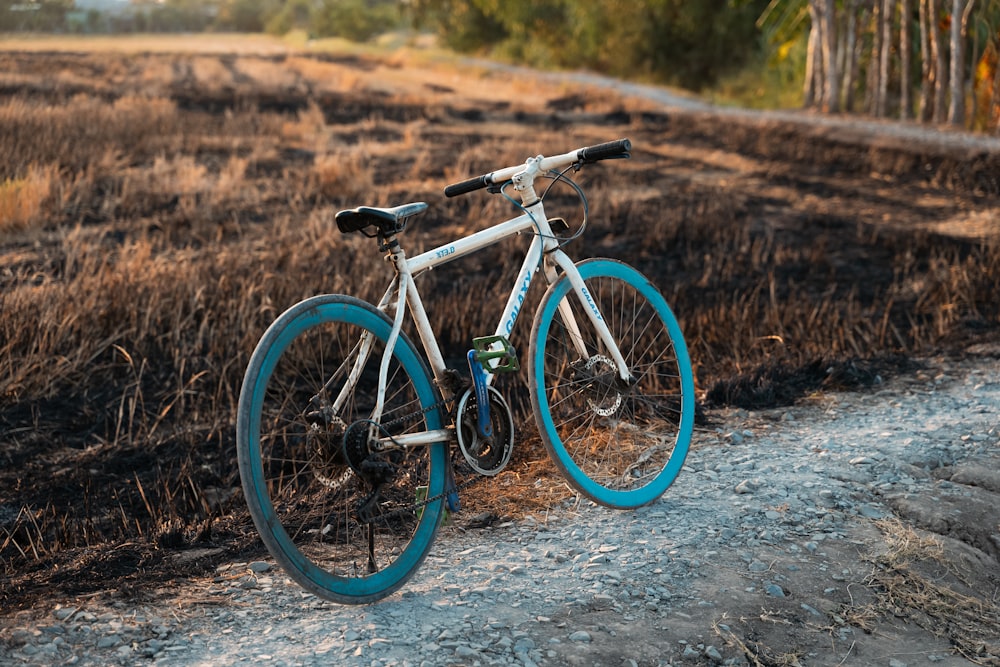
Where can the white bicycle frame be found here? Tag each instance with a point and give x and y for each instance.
(544, 252)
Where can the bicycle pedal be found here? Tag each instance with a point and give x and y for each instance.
(496, 354)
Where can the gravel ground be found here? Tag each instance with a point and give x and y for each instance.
(763, 552)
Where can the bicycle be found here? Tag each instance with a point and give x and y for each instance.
(348, 437)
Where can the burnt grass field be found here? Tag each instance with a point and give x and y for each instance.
(158, 211)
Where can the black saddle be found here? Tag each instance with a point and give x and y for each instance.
(385, 220)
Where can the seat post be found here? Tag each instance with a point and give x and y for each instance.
(389, 243)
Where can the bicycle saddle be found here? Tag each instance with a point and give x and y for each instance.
(387, 220)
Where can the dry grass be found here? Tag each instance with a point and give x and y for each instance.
(215, 43)
(21, 199)
(160, 212)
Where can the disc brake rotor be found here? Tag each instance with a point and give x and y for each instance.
(602, 372)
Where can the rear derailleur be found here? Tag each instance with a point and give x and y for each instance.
(375, 468)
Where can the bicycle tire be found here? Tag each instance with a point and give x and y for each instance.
(302, 486)
(620, 446)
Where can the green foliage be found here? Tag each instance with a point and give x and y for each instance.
(179, 16)
(290, 15)
(765, 82)
(246, 15)
(674, 41)
(460, 24)
(45, 15)
(356, 20)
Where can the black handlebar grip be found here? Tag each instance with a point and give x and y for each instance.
(477, 183)
(612, 149)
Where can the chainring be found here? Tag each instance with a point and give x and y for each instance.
(487, 456)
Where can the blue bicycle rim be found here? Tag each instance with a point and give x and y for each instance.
(623, 499)
(318, 311)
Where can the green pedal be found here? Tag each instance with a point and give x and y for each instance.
(487, 351)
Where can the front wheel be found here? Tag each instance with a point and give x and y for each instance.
(340, 515)
(620, 443)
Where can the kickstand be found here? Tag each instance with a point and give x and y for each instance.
(372, 567)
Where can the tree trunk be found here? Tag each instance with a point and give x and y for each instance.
(993, 110)
(874, 70)
(831, 80)
(885, 28)
(956, 110)
(926, 61)
(852, 53)
(940, 64)
(973, 72)
(905, 81)
(809, 84)
(842, 59)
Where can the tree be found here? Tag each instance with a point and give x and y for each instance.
(940, 57)
(961, 10)
(926, 63)
(876, 102)
(675, 41)
(905, 50)
(40, 15)
(831, 85)
(885, 43)
(813, 77)
(356, 20)
(462, 25)
(849, 36)
(245, 15)
(852, 52)
(293, 14)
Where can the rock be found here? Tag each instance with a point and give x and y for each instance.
(871, 511)
(602, 601)
(63, 613)
(809, 609)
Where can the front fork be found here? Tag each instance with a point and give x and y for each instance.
(572, 274)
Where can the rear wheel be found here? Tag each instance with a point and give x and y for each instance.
(339, 516)
(619, 443)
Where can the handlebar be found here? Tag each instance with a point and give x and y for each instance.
(477, 183)
(620, 148)
(612, 150)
